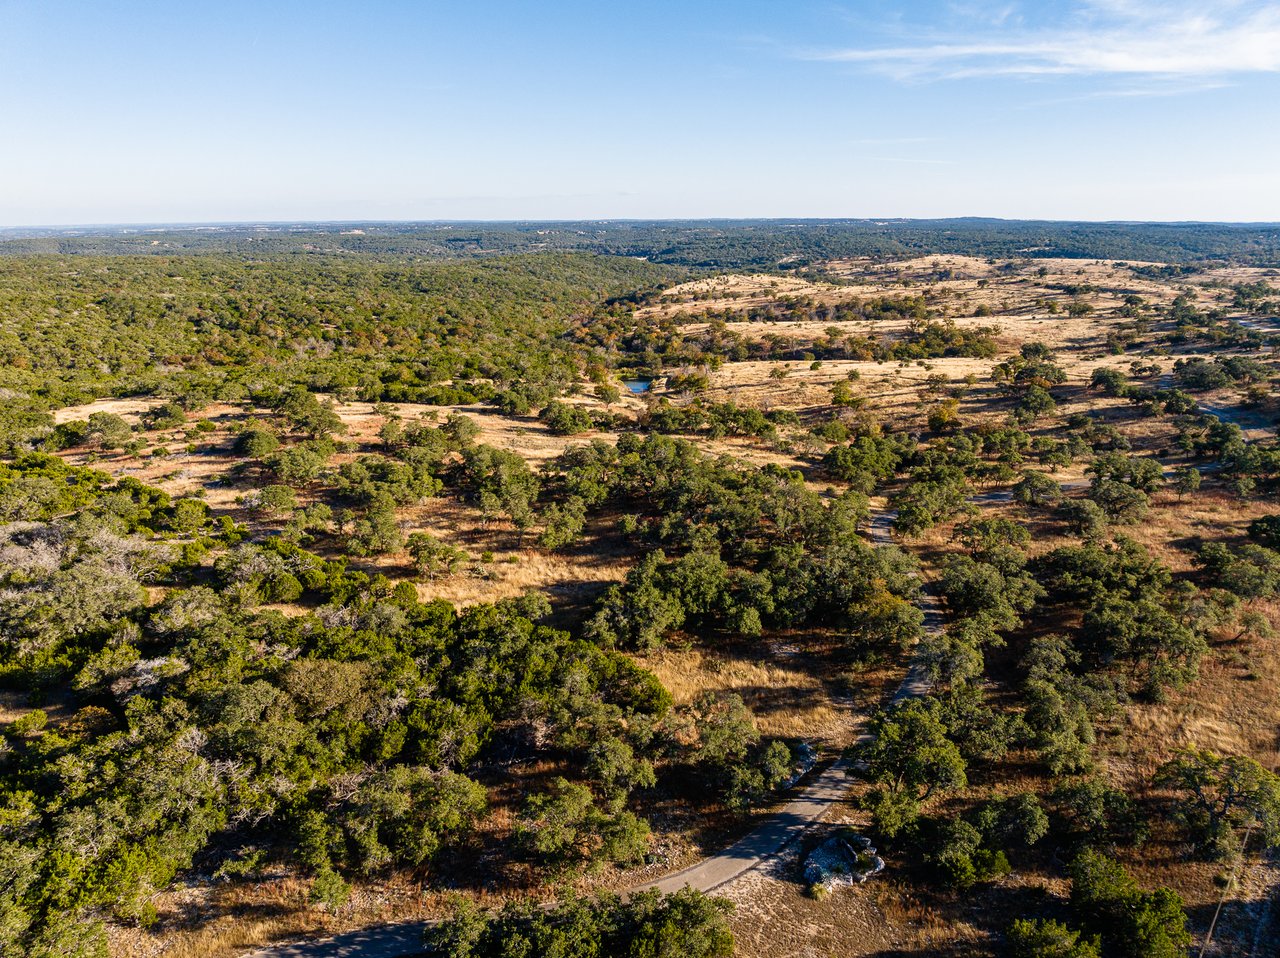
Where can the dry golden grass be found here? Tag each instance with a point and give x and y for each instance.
(182, 471)
(516, 567)
(787, 700)
(742, 291)
(524, 435)
(226, 938)
(957, 285)
(130, 409)
(923, 928)
(224, 921)
(1233, 708)
(775, 919)
(516, 564)
(13, 705)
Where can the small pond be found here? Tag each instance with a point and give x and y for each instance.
(638, 386)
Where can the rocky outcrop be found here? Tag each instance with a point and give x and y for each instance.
(845, 859)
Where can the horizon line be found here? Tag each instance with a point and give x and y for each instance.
(172, 225)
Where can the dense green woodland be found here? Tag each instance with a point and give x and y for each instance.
(204, 328)
(717, 244)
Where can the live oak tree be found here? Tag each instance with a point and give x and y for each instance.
(1084, 517)
(108, 430)
(1038, 490)
(1186, 481)
(257, 443)
(1130, 922)
(500, 483)
(608, 394)
(563, 523)
(612, 762)
(909, 757)
(1249, 571)
(1221, 795)
(1144, 474)
(1266, 531)
(564, 826)
(1120, 501)
(564, 419)
(432, 558)
(728, 751)
(1099, 815)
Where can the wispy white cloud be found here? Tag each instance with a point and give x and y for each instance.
(1214, 38)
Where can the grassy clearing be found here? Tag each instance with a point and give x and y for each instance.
(788, 700)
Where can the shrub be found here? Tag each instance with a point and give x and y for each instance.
(564, 419)
(1130, 922)
(1048, 939)
(687, 924)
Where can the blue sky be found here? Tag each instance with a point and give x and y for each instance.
(142, 111)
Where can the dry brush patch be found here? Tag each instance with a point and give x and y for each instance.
(785, 688)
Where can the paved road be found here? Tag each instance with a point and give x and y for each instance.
(916, 682)
(768, 839)
(1253, 425)
(398, 940)
(1263, 325)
